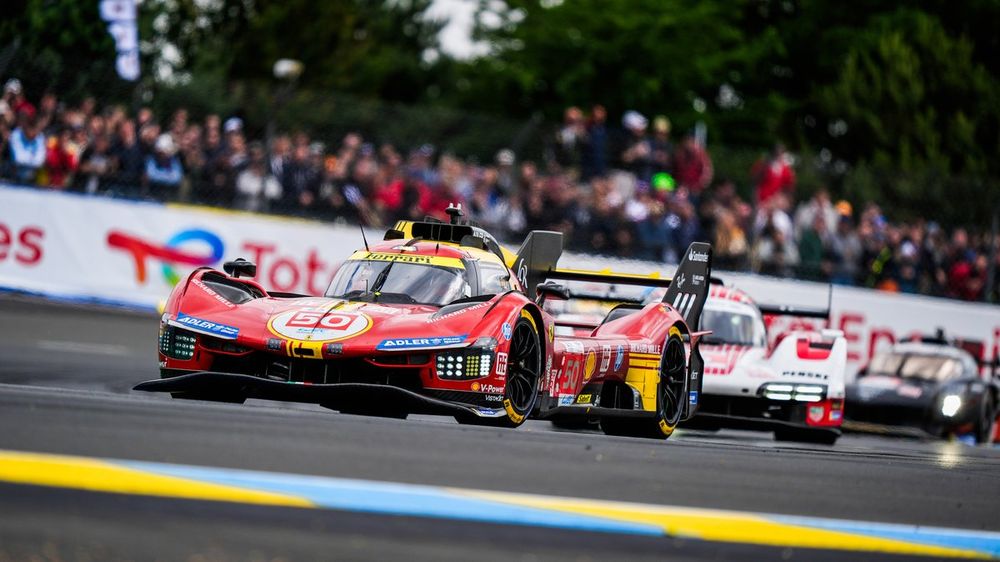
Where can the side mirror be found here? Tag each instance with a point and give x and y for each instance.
(550, 290)
(240, 268)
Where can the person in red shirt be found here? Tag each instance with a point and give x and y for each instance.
(60, 160)
(692, 166)
(773, 175)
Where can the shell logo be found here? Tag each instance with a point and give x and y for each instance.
(589, 365)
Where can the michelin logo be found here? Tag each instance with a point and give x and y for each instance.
(208, 327)
(417, 343)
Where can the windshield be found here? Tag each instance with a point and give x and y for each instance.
(925, 367)
(399, 282)
(731, 328)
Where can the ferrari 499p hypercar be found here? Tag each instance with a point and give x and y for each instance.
(437, 318)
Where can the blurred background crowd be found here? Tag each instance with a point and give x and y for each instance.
(628, 187)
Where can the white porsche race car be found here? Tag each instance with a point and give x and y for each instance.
(794, 386)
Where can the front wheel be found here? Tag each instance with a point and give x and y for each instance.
(524, 371)
(670, 397)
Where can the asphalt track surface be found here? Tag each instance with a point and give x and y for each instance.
(65, 377)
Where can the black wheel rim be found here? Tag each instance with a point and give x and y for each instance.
(523, 367)
(672, 378)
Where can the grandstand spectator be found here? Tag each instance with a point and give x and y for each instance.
(637, 148)
(27, 148)
(729, 241)
(774, 254)
(570, 141)
(131, 161)
(692, 166)
(97, 167)
(815, 250)
(60, 161)
(817, 205)
(299, 182)
(663, 149)
(595, 152)
(846, 248)
(163, 173)
(256, 188)
(773, 175)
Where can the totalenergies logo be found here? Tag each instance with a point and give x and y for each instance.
(172, 253)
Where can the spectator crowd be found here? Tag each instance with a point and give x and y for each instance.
(630, 191)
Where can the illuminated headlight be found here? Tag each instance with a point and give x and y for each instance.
(794, 392)
(178, 344)
(464, 364)
(951, 404)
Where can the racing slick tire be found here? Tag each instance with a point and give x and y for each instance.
(524, 375)
(670, 391)
(985, 428)
(806, 435)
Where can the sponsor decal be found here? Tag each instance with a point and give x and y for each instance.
(552, 333)
(507, 331)
(836, 415)
(584, 398)
(605, 357)
(171, 253)
(417, 343)
(493, 397)
(487, 388)
(650, 348)
(566, 400)
(487, 411)
(208, 327)
(589, 365)
(501, 366)
(697, 280)
(333, 348)
(698, 256)
(211, 292)
(274, 344)
(805, 375)
(619, 356)
(816, 413)
(402, 248)
(681, 280)
(319, 325)
(455, 313)
(693, 397)
(574, 347)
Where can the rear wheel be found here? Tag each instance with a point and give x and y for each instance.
(805, 435)
(669, 397)
(524, 370)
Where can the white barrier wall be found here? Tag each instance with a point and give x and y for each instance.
(130, 253)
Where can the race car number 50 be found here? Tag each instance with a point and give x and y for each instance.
(319, 325)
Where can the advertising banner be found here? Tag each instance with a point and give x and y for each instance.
(130, 253)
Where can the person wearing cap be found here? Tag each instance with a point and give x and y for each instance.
(164, 172)
(637, 154)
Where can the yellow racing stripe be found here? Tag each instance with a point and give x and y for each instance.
(722, 526)
(100, 476)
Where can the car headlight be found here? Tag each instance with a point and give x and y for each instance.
(951, 404)
(464, 364)
(794, 392)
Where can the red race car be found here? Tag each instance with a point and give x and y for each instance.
(436, 319)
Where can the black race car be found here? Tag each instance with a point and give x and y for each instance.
(928, 384)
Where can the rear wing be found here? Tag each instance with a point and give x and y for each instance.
(800, 311)
(688, 290)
